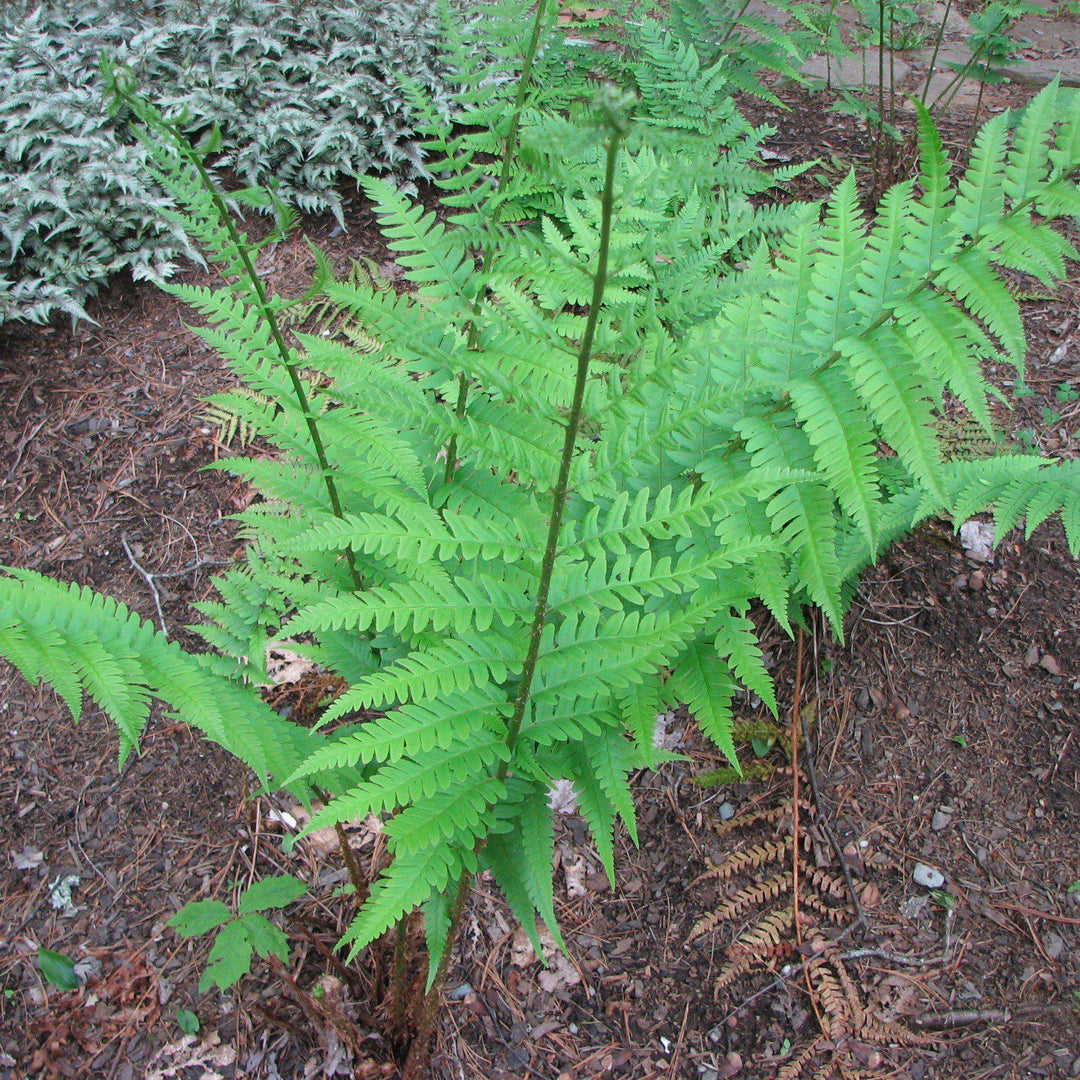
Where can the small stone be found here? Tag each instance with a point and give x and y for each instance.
(1031, 657)
(1076, 1067)
(715, 1035)
(977, 538)
(730, 1066)
(1054, 944)
(709, 1074)
(976, 580)
(927, 876)
(942, 819)
(727, 811)
(1048, 663)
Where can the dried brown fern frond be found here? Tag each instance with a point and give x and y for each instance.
(793, 1070)
(851, 992)
(760, 942)
(812, 900)
(837, 1019)
(735, 906)
(748, 960)
(889, 1033)
(964, 437)
(749, 859)
(826, 883)
(770, 815)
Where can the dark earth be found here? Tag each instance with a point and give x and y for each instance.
(945, 733)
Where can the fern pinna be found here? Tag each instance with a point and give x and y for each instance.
(652, 440)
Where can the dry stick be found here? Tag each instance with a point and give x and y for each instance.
(417, 1061)
(811, 771)
(149, 579)
(963, 1017)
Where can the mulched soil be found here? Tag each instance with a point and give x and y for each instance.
(945, 734)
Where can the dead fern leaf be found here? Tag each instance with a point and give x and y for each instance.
(733, 907)
(889, 1033)
(749, 859)
(836, 915)
(745, 961)
(793, 1070)
(827, 883)
(771, 816)
(851, 992)
(766, 934)
(836, 1016)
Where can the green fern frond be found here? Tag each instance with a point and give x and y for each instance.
(705, 683)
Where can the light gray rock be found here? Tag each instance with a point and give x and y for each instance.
(927, 876)
(942, 819)
(853, 71)
(727, 811)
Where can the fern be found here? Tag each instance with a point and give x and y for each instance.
(536, 503)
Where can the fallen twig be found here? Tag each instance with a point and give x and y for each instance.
(149, 579)
(860, 922)
(963, 1017)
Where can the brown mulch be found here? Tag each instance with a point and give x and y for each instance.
(956, 695)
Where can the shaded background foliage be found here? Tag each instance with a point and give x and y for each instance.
(305, 93)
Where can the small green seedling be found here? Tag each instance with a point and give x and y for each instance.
(961, 741)
(59, 970)
(241, 935)
(1073, 889)
(762, 745)
(943, 899)
(188, 1022)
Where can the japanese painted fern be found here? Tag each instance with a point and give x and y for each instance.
(540, 509)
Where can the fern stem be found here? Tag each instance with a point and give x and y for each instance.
(733, 24)
(262, 300)
(291, 367)
(509, 148)
(573, 423)
(416, 1065)
(348, 856)
(937, 48)
(399, 1005)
